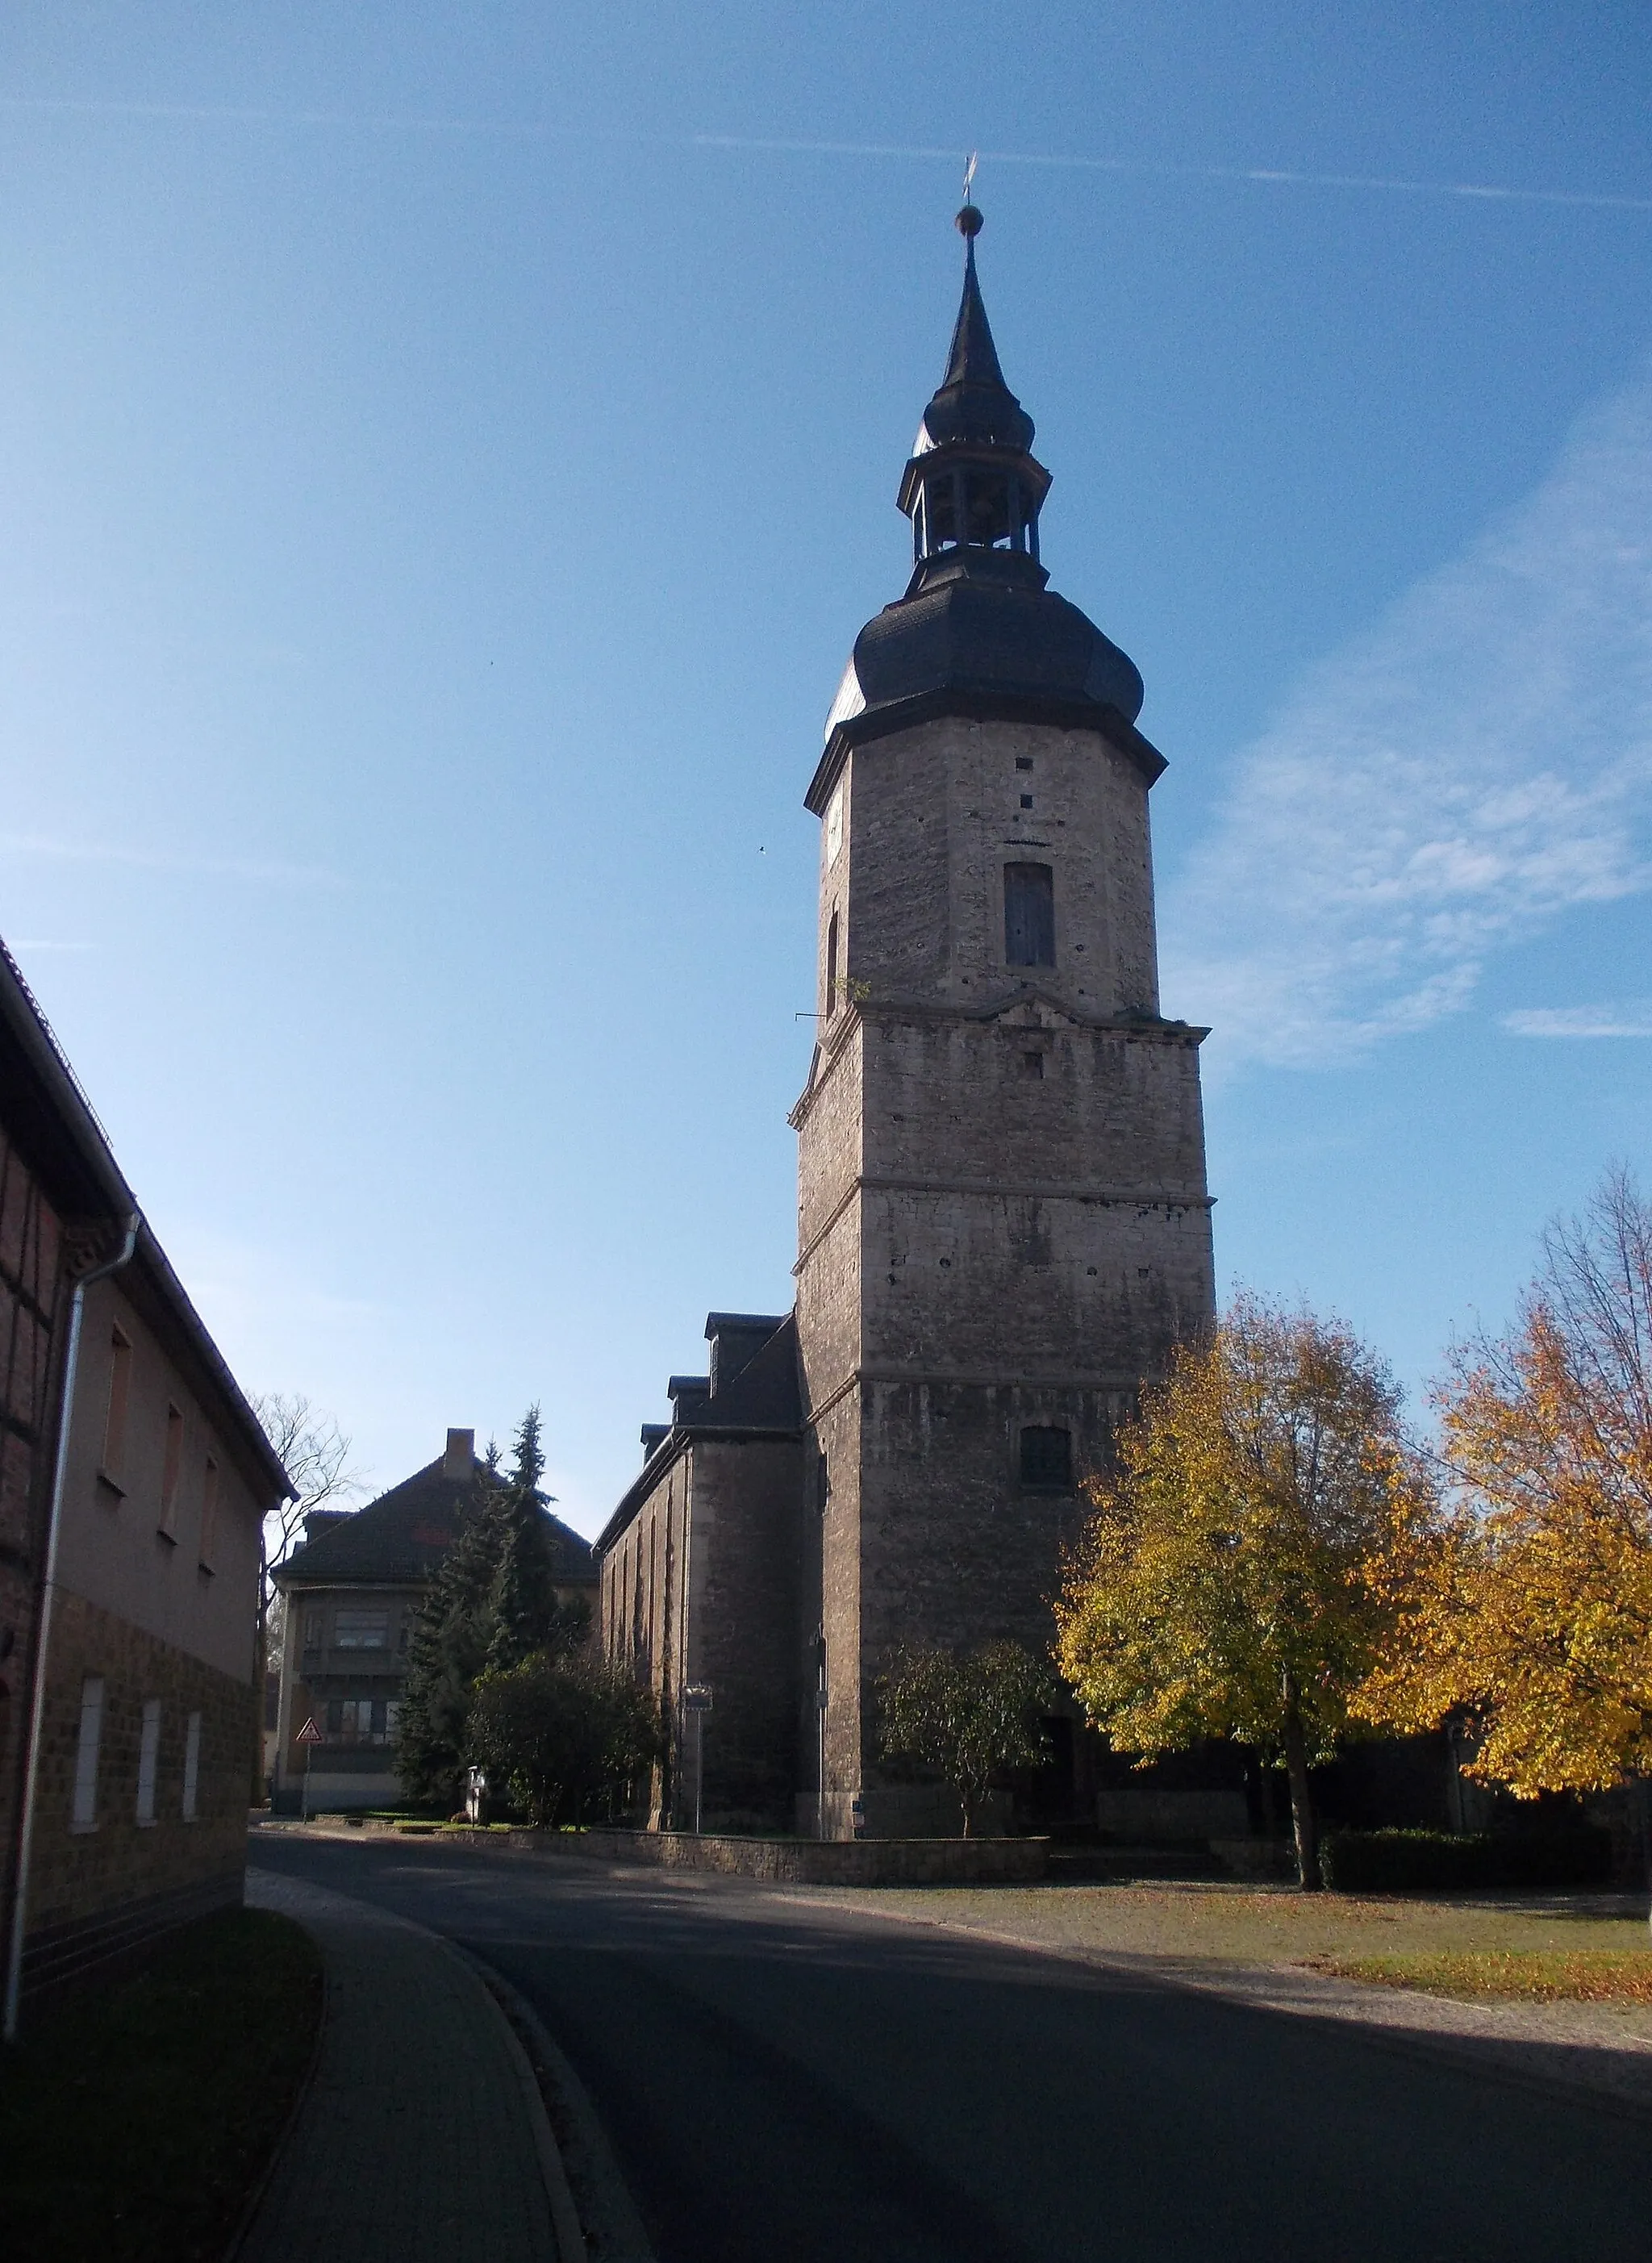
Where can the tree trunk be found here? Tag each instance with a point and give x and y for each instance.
(1302, 1797)
(1643, 1817)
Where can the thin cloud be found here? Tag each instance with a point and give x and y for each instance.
(44, 849)
(1445, 786)
(1633, 1020)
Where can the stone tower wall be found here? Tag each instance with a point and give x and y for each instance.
(1002, 1209)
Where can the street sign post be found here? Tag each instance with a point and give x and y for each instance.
(697, 1700)
(309, 1735)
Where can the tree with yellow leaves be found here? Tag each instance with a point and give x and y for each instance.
(1526, 1612)
(1222, 1589)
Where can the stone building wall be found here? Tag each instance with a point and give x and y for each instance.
(702, 1587)
(744, 1553)
(1002, 1206)
(95, 1892)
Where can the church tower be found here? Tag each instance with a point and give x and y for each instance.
(1003, 1225)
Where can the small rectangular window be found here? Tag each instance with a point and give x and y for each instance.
(1032, 1064)
(91, 1729)
(1023, 762)
(209, 1514)
(1047, 1459)
(1029, 915)
(832, 966)
(171, 1468)
(362, 1630)
(115, 1414)
(191, 1766)
(312, 1629)
(148, 1759)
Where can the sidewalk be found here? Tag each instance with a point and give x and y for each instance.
(422, 2139)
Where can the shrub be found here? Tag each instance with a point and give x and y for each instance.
(555, 1732)
(1441, 1861)
(969, 1719)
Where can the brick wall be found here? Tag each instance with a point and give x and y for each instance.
(92, 1892)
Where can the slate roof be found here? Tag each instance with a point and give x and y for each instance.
(404, 1534)
(762, 1400)
(979, 632)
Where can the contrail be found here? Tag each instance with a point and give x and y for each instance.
(1271, 175)
(1143, 167)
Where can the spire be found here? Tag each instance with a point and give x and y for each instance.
(973, 488)
(973, 403)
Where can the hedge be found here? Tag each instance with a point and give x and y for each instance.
(1415, 1861)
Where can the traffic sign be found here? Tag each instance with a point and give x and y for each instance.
(309, 1734)
(696, 1698)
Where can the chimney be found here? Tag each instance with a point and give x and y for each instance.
(459, 1461)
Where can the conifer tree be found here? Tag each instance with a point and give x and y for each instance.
(522, 1602)
(450, 1649)
(493, 1604)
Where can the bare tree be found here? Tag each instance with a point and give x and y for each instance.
(315, 1454)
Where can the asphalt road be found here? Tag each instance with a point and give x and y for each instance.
(784, 2081)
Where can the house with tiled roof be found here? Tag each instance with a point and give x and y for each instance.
(353, 1592)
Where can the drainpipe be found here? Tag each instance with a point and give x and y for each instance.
(37, 1703)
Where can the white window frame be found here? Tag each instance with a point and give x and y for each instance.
(191, 1766)
(149, 1762)
(83, 1815)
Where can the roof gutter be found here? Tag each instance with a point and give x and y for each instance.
(42, 1641)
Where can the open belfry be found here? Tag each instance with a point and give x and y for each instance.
(1003, 1224)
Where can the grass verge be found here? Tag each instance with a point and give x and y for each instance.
(135, 2120)
(1219, 1924)
(1579, 1977)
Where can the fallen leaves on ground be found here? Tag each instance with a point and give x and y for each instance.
(1530, 1977)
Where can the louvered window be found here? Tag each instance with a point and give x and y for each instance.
(1029, 915)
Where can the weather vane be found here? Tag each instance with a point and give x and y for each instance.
(968, 174)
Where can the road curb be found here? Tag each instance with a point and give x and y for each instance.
(565, 2215)
(611, 2227)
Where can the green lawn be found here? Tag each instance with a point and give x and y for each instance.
(135, 2120)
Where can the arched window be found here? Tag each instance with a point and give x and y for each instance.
(1029, 915)
(1046, 1458)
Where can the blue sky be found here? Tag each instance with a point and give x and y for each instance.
(447, 454)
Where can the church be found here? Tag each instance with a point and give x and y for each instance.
(1003, 1222)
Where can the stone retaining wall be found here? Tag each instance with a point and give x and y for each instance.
(790, 1861)
(821, 1862)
